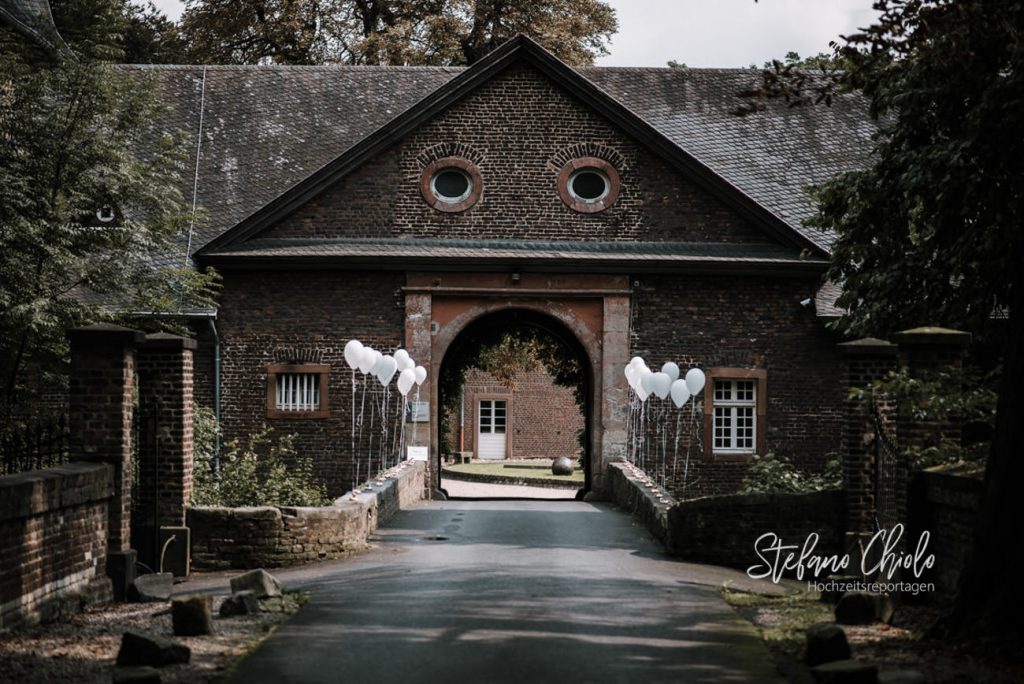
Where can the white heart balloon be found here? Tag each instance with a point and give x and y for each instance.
(695, 381)
(636, 361)
(642, 393)
(385, 369)
(401, 356)
(680, 394)
(661, 383)
(406, 379)
(671, 369)
(353, 352)
(421, 374)
(367, 360)
(647, 381)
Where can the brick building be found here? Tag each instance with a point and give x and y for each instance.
(629, 211)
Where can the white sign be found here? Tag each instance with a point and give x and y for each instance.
(418, 453)
(417, 412)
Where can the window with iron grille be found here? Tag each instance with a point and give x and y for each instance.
(297, 391)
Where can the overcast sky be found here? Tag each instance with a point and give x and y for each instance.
(715, 33)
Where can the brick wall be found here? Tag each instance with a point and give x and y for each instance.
(308, 316)
(946, 505)
(719, 321)
(267, 536)
(520, 129)
(53, 532)
(545, 418)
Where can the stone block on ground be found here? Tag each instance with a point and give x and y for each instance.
(136, 675)
(260, 582)
(845, 672)
(153, 588)
(562, 466)
(863, 608)
(826, 643)
(139, 648)
(192, 616)
(240, 603)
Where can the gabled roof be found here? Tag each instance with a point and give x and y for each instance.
(518, 49)
(267, 128)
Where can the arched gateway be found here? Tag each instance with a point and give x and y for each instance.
(589, 313)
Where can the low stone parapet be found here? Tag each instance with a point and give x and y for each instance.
(269, 536)
(722, 529)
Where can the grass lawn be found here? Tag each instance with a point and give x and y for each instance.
(509, 469)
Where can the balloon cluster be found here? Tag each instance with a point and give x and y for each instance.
(663, 383)
(369, 361)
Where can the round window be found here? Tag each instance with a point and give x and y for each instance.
(451, 185)
(589, 185)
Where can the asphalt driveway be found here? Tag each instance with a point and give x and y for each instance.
(512, 591)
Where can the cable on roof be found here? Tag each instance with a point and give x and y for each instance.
(195, 179)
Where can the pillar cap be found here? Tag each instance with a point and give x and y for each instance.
(867, 346)
(105, 334)
(931, 334)
(164, 340)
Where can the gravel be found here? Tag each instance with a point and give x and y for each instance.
(83, 648)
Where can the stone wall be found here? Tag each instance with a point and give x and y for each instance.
(268, 536)
(53, 532)
(722, 529)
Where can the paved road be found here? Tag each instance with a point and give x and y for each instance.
(512, 591)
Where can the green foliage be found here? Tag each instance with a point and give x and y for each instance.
(72, 129)
(930, 231)
(777, 474)
(413, 32)
(946, 396)
(259, 473)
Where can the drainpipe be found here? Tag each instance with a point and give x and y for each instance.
(462, 420)
(216, 394)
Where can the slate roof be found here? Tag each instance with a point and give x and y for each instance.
(267, 128)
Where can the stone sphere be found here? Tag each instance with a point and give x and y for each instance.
(562, 466)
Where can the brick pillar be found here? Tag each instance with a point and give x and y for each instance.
(419, 343)
(165, 366)
(612, 401)
(102, 384)
(864, 361)
(925, 350)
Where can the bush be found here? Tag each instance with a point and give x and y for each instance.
(278, 478)
(777, 474)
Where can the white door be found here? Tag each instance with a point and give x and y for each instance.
(490, 434)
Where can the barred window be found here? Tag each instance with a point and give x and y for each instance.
(297, 390)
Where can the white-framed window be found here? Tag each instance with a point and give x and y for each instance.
(297, 390)
(734, 429)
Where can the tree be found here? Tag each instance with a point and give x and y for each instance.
(930, 231)
(86, 220)
(415, 32)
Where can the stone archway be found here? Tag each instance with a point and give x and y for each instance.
(593, 309)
